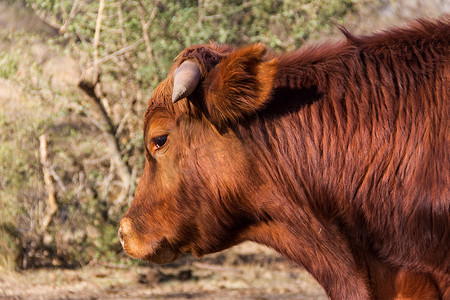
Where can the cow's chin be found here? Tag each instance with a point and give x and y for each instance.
(161, 253)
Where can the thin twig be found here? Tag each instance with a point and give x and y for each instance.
(107, 182)
(98, 27)
(69, 19)
(118, 53)
(122, 123)
(97, 85)
(44, 18)
(200, 12)
(145, 25)
(58, 179)
(123, 35)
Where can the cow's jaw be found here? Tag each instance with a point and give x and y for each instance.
(162, 252)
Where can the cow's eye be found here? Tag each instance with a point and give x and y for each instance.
(158, 142)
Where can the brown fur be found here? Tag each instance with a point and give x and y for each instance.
(335, 155)
(239, 85)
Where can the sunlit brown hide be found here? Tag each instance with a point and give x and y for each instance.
(336, 155)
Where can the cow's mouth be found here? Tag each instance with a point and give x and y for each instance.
(142, 247)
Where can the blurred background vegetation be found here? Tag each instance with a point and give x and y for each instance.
(75, 76)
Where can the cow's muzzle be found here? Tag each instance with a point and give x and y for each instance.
(143, 246)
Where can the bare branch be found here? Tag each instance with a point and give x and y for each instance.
(98, 27)
(110, 132)
(122, 123)
(58, 180)
(107, 182)
(145, 25)
(123, 35)
(93, 88)
(52, 205)
(97, 71)
(200, 12)
(69, 19)
(118, 53)
(45, 18)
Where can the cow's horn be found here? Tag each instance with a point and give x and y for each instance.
(186, 79)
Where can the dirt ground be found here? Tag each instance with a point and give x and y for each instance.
(247, 271)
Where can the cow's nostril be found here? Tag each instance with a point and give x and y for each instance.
(120, 236)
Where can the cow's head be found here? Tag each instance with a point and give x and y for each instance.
(194, 195)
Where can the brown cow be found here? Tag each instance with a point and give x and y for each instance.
(334, 155)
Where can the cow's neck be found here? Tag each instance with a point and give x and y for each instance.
(320, 250)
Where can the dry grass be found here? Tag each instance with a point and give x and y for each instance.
(247, 271)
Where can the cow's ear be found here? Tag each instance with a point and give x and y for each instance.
(239, 85)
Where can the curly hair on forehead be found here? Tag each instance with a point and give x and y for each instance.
(205, 56)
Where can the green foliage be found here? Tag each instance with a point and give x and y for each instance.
(107, 244)
(8, 243)
(175, 25)
(16, 167)
(8, 64)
